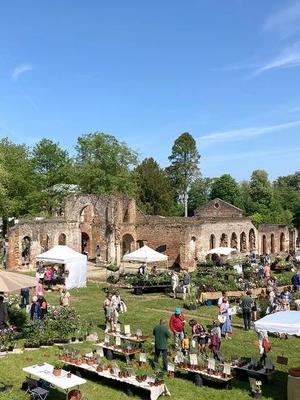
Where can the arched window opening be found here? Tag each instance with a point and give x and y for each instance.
(224, 240)
(234, 241)
(62, 239)
(212, 242)
(243, 242)
(26, 245)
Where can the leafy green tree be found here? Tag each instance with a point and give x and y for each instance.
(155, 193)
(246, 201)
(53, 172)
(17, 178)
(260, 188)
(184, 168)
(227, 189)
(104, 165)
(199, 193)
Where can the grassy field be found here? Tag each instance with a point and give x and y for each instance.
(144, 312)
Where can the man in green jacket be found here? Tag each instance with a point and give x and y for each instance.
(161, 335)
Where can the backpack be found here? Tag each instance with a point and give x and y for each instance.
(266, 345)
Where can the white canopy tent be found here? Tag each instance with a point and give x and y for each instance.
(75, 263)
(145, 255)
(222, 251)
(287, 322)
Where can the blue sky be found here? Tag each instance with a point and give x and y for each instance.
(228, 72)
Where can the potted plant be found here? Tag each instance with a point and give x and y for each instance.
(57, 367)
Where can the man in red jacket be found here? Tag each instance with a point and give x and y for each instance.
(177, 326)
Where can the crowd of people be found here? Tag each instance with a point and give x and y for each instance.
(49, 276)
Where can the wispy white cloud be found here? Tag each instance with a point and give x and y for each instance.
(288, 58)
(246, 133)
(285, 22)
(20, 70)
(274, 153)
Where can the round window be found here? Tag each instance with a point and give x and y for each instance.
(217, 205)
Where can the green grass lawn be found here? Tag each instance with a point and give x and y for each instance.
(144, 312)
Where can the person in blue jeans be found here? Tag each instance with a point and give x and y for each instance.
(24, 297)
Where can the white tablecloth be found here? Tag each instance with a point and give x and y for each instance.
(45, 372)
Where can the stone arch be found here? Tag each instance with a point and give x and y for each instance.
(224, 240)
(243, 242)
(282, 242)
(62, 239)
(234, 241)
(264, 244)
(26, 250)
(127, 244)
(212, 241)
(272, 243)
(87, 214)
(252, 244)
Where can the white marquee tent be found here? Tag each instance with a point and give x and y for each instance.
(75, 263)
(145, 255)
(287, 322)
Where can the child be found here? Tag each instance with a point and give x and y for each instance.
(185, 344)
(215, 340)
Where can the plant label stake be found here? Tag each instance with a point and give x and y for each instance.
(127, 329)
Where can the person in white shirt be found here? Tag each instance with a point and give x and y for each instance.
(220, 300)
(174, 283)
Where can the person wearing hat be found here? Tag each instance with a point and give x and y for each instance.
(35, 310)
(177, 326)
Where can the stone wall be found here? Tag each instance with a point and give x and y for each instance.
(114, 223)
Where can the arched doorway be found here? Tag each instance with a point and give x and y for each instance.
(252, 243)
(26, 245)
(243, 242)
(224, 240)
(233, 241)
(282, 242)
(212, 242)
(85, 243)
(272, 243)
(264, 244)
(62, 239)
(127, 244)
(192, 249)
(44, 242)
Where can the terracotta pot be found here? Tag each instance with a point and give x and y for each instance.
(294, 372)
(99, 369)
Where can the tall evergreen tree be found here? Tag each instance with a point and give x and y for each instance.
(184, 168)
(155, 193)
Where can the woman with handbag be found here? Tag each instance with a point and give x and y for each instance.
(226, 325)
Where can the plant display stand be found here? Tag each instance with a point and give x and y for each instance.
(110, 350)
(154, 390)
(200, 375)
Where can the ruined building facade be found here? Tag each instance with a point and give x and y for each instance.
(118, 227)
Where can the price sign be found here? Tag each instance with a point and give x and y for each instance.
(143, 357)
(100, 352)
(211, 364)
(118, 341)
(118, 328)
(227, 369)
(89, 353)
(127, 329)
(193, 359)
(106, 339)
(139, 332)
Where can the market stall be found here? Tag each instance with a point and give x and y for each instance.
(145, 255)
(75, 264)
(288, 323)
